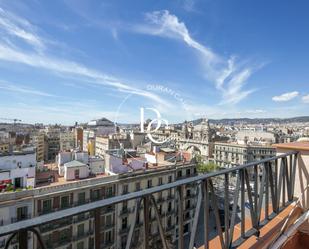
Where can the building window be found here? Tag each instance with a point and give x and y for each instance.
(80, 230)
(80, 245)
(81, 198)
(160, 181)
(188, 204)
(125, 189)
(64, 235)
(108, 221)
(108, 237)
(169, 208)
(179, 173)
(109, 191)
(22, 213)
(149, 183)
(124, 223)
(95, 194)
(124, 206)
(170, 193)
(169, 221)
(137, 186)
(188, 172)
(65, 202)
(47, 206)
(123, 241)
(170, 179)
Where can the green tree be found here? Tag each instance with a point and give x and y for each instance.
(203, 167)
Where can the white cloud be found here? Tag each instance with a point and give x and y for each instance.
(12, 25)
(189, 5)
(305, 98)
(228, 76)
(285, 96)
(21, 28)
(8, 86)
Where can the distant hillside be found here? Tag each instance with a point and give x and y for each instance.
(302, 119)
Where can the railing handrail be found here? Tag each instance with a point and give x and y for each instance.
(43, 219)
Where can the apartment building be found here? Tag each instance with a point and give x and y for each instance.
(113, 222)
(52, 145)
(15, 207)
(232, 154)
(112, 141)
(77, 232)
(166, 203)
(78, 137)
(67, 140)
(17, 170)
(38, 140)
(89, 137)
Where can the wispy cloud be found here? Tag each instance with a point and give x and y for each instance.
(21, 28)
(8, 86)
(229, 77)
(285, 96)
(72, 112)
(189, 5)
(305, 99)
(12, 25)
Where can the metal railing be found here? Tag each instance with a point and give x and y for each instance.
(268, 184)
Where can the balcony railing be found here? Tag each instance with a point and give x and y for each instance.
(269, 193)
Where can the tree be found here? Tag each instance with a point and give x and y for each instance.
(203, 167)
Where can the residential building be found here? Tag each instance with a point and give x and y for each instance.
(38, 140)
(67, 140)
(78, 137)
(112, 141)
(17, 170)
(52, 145)
(231, 154)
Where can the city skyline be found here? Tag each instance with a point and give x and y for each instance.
(75, 61)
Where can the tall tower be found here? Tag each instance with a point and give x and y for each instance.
(205, 130)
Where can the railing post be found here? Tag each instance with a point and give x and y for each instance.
(180, 217)
(204, 186)
(226, 209)
(276, 186)
(267, 166)
(256, 182)
(23, 239)
(242, 205)
(293, 174)
(146, 221)
(97, 228)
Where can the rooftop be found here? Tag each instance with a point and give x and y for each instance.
(293, 146)
(74, 163)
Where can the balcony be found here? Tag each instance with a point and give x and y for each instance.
(233, 208)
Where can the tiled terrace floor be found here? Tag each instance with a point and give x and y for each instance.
(267, 233)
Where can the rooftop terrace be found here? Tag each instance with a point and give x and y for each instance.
(267, 200)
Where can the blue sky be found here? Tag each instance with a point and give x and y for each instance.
(67, 61)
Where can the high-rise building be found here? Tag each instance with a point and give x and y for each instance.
(52, 145)
(78, 137)
(67, 140)
(38, 140)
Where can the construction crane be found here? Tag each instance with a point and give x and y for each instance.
(15, 120)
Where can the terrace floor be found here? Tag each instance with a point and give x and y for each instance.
(267, 233)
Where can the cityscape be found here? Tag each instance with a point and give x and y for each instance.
(142, 126)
